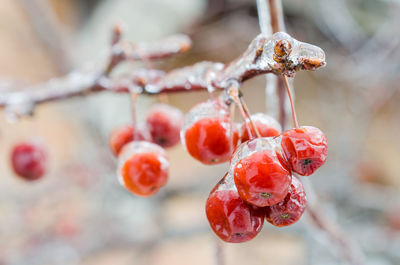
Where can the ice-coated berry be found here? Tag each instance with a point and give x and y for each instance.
(232, 219)
(289, 210)
(124, 134)
(305, 149)
(260, 176)
(143, 168)
(207, 133)
(165, 123)
(265, 124)
(29, 160)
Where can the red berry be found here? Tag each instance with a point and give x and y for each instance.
(305, 149)
(208, 138)
(143, 168)
(289, 210)
(165, 123)
(232, 219)
(266, 125)
(260, 177)
(123, 135)
(29, 160)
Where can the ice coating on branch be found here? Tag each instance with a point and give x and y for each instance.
(18, 105)
(279, 54)
(197, 76)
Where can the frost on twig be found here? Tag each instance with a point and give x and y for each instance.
(278, 54)
(81, 83)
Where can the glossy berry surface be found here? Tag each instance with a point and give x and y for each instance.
(143, 172)
(305, 149)
(209, 141)
(232, 219)
(29, 161)
(164, 123)
(261, 179)
(289, 210)
(124, 135)
(266, 126)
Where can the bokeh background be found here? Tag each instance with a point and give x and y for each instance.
(79, 214)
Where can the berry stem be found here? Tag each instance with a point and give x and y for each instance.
(231, 124)
(134, 97)
(246, 110)
(289, 92)
(237, 98)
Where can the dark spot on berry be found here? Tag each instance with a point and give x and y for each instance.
(265, 195)
(306, 162)
(161, 141)
(238, 234)
(153, 188)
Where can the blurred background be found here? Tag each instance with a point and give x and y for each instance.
(79, 214)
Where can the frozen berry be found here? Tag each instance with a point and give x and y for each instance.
(207, 133)
(260, 176)
(305, 149)
(232, 219)
(124, 135)
(29, 160)
(289, 210)
(165, 123)
(143, 168)
(266, 125)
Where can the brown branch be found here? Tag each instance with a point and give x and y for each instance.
(259, 58)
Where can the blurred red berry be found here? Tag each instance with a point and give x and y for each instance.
(305, 149)
(261, 179)
(123, 135)
(393, 218)
(164, 123)
(29, 160)
(289, 210)
(144, 168)
(232, 219)
(266, 125)
(208, 136)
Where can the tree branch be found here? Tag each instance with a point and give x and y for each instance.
(259, 58)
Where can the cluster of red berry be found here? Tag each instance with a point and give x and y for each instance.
(260, 182)
(143, 164)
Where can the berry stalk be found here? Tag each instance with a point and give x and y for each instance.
(289, 92)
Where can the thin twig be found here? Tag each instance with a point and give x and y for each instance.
(247, 112)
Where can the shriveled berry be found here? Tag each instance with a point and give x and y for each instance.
(165, 123)
(265, 124)
(29, 160)
(305, 149)
(143, 168)
(289, 210)
(232, 219)
(209, 138)
(123, 135)
(261, 179)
